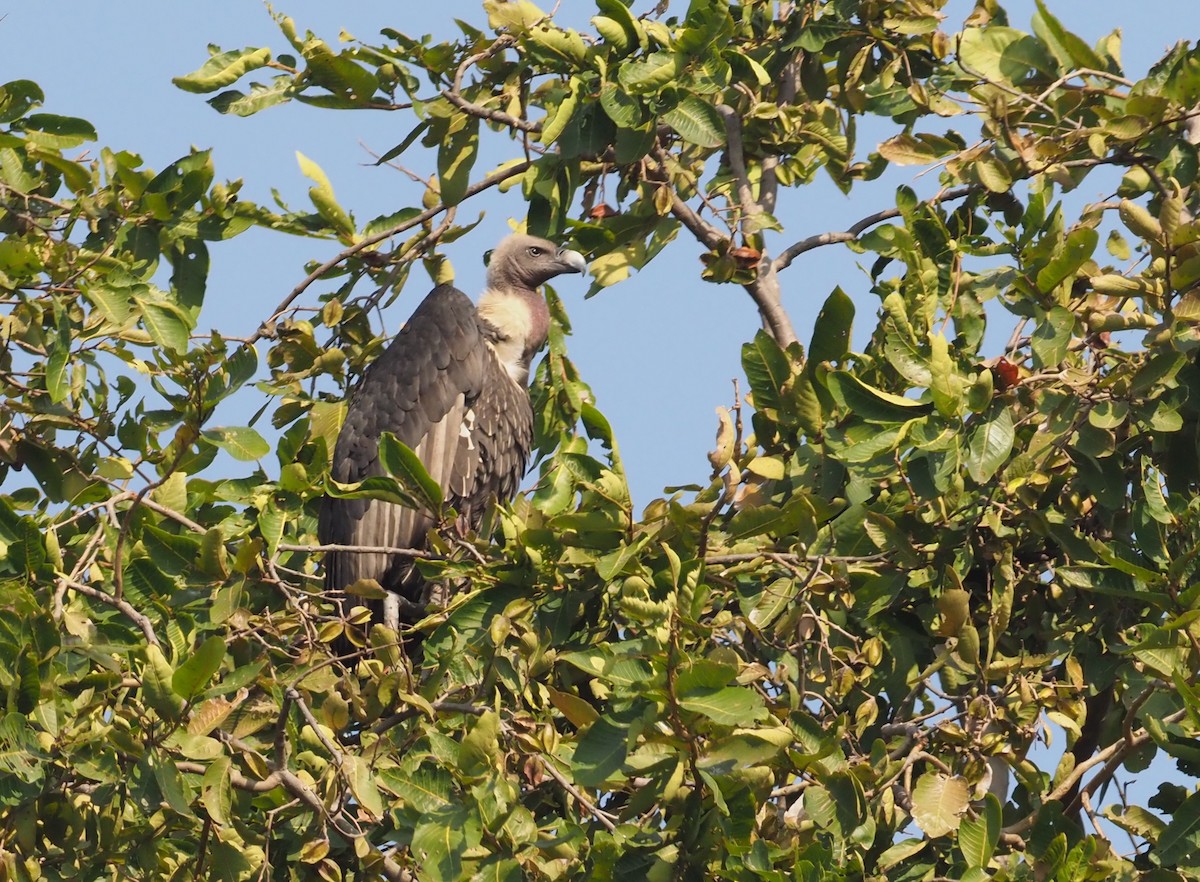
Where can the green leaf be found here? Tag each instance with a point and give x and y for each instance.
(939, 802)
(323, 198)
(198, 668)
(455, 159)
(174, 790)
(1076, 251)
(216, 793)
(260, 97)
(919, 149)
(621, 107)
(992, 173)
(223, 69)
(894, 855)
(618, 11)
(358, 774)
(612, 33)
(114, 303)
(796, 517)
(439, 842)
(600, 753)
(174, 554)
(832, 329)
(241, 442)
(167, 324)
(426, 790)
(871, 404)
(558, 119)
(480, 746)
(1069, 49)
(1051, 339)
(767, 368)
(1182, 836)
(17, 98)
(57, 132)
(944, 383)
(989, 447)
(697, 122)
(727, 706)
(513, 15)
(56, 372)
(659, 69)
(405, 466)
(157, 688)
(977, 837)
(1003, 55)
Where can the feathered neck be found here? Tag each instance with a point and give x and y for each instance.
(516, 322)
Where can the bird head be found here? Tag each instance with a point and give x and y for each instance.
(528, 262)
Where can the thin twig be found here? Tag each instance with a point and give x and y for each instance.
(454, 94)
(491, 180)
(362, 549)
(122, 605)
(784, 260)
(592, 809)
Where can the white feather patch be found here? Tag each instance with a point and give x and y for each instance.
(509, 314)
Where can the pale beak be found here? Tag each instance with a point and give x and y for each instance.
(571, 261)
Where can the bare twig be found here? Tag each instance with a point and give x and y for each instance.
(236, 778)
(123, 606)
(491, 180)
(296, 787)
(705, 233)
(591, 808)
(784, 260)
(362, 549)
(454, 94)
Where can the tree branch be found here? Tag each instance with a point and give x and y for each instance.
(123, 606)
(363, 549)
(454, 93)
(297, 788)
(491, 180)
(735, 153)
(708, 235)
(591, 808)
(784, 260)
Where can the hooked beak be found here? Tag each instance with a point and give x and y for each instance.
(571, 261)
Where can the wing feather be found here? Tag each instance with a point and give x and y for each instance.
(441, 389)
(414, 390)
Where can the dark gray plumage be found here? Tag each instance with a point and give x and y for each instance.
(452, 386)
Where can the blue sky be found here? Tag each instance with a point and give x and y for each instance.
(660, 350)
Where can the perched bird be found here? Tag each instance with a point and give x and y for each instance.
(452, 385)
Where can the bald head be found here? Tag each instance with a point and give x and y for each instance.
(527, 262)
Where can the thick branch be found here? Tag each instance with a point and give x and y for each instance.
(736, 156)
(1111, 757)
(768, 187)
(236, 778)
(767, 295)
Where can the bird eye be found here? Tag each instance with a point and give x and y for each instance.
(535, 251)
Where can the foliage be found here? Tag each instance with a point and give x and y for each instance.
(829, 660)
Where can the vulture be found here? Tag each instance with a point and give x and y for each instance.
(453, 386)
